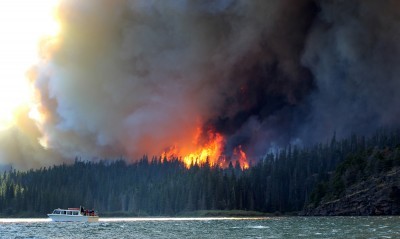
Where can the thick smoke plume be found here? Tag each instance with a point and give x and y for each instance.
(353, 51)
(133, 77)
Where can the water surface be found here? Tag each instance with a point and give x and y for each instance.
(275, 227)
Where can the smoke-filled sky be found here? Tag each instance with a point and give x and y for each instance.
(133, 77)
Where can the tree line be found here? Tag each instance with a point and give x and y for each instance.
(283, 181)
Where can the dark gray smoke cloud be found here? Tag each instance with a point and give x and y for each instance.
(136, 76)
(353, 51)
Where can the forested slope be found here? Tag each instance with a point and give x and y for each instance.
(281, 182)
(366, 183)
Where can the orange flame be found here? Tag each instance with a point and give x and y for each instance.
(241, 157)
(210, 152)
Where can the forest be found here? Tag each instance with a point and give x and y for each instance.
(281, 182)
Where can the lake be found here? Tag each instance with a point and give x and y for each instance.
(273, 227)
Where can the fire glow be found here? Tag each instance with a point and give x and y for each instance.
(210, 152)
(24, 26)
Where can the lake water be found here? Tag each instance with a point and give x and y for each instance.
(274, 227)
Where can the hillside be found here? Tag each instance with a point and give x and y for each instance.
(364, 184)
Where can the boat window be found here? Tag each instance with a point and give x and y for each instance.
(56, 212)
(63, 212)
(74, 213)
(69, 213)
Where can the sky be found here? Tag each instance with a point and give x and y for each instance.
(224, 79)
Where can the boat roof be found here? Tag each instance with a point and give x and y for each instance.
(69, 209)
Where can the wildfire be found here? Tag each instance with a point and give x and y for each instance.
(211, 151)
(241, 157)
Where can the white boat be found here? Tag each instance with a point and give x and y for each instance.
(73, 215)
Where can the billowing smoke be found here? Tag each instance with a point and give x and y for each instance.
(353, 51)
(19, 145)
(133, 77)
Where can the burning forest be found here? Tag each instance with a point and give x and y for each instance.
(216, 81)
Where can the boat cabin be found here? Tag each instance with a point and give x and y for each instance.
(69, 211)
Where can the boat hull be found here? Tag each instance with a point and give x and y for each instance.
(72, 218)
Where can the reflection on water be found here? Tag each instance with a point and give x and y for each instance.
(274, 227)
(132, 219)
(20, 220)
(136, 219)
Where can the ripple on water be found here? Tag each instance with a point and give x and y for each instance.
(282, 227)
(258, 227)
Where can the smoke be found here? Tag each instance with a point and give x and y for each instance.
(133, 77)
(353, 52)
(19, 145)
